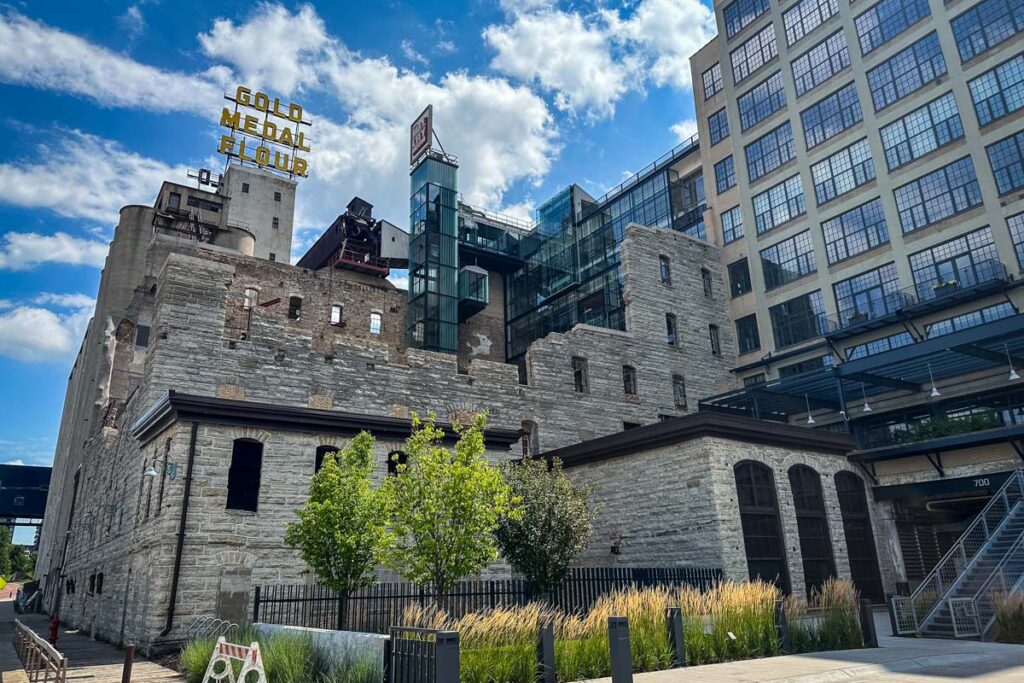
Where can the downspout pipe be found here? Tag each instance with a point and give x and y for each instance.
(181, 531)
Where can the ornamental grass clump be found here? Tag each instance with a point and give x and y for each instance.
(1010, 618)
(731, 620)
(830, 620)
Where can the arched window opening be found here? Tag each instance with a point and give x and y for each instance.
(860, 537)
(396, 458)
(321, 451)
(812, 524)
(244, 475)
(762, 530)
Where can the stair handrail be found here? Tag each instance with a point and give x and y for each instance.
(912, 611)
(1009, 571)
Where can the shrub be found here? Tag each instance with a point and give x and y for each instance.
(1010, 617)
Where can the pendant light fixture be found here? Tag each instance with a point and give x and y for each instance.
(935, 390)
(867, 406)
(810, 418)
(1013, 373)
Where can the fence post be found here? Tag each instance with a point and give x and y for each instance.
(388, 644)
(546, 653)
(782, 626)
(129, 659)
(446, 656)
(867, 624)
(618, 644)
(676, 636)
(256, 606)
(892, 616)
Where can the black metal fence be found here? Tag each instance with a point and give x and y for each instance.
(420, 655)
(376, 608)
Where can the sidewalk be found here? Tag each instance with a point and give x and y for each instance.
(897, 660)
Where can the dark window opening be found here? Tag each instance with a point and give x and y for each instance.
(751, 380)
(860, 538)
(716, 340)
(670, 329)
(666, 270)
(531, 442)
(92, 584)
(99, 584)
(321, 451)
(174, 200)
(747, 335)
(629, 380)
(277, 196)
(396, 458)
(705, 279)
(275, 223)
(626, 426)
(245, 188)
(679, 390)
(579, 375)
(295, 307)
(272, 256)
(739, 278)
(204, 204)
(142, 335)
(812, 525)
(762, 530)
(244, 475)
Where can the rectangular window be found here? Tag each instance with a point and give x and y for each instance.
(798, 319)
(712, 80)
(987, 24)
(747, 335)
(761, 101)
(921, 132)
(788, 260)
(271, 256)
(725, 174)
(968, 320)
(336, 311)
(665, 266)
(870, 295)
(831, 116)
(671, 335)
(376, 322)
(142, 335)
(705, 281)
(174, 200)
(204, 204)
(779, 204)
(858, 230)
(244, 475)
(1016, 225)
(893, 341)
(803, 366)
(906, 72)
(999, 92)
(1006, 158)
(275, 223)
(580, 381)
(753, 380)
(938, 195)
(753, 54)
(844, 171)
(718, 123)
(295, 307)
(277, 196)
(679, 390)
(957, 263)
(629, 380)
(739, 278)
(886, 20)
(820, 63)
(245, 188)
(770, 151)
(807, 15)
(732, 225)
(739, 14)
(716, 340)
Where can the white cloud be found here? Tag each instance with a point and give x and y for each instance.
(32, 450)
(84, 176)
(273, 47)
(684, 129)
(445, 47)
(36, 334)
(132, 22)
(24, 250)
(39, 56)
(399, 278)
(16, 461)
(410, 53)
(65, 300)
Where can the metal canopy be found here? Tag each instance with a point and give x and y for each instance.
(902, 369)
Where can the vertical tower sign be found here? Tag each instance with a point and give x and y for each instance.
(420, 134)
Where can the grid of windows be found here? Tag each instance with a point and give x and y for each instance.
(732, 225)
(842, 172)
(922, 131)
(1006, 158)
(739, 14)
(747, 336)
(831, 116)
(798, 319)
(807, 15)
(712, 80)
(818, 363)
(820, 63)
(893, 341)
(938, 195)
(886, 20)
(725, 174)
(960, 262)
(1000, 91)
(968, 320)
(858, 230)
(739, 278)
(779, 204)
(718, 123)
(906, 72)
(788, 260)
(1016, 225)
(753, 53)
(761, 101)
(987, 24)
(770, 151)
(871, 294)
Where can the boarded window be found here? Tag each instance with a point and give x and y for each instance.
(244, 475)
(295, 307)
(245, 188)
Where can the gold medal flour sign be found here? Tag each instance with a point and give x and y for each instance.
(265, 132)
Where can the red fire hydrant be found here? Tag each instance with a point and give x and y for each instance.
(54, 627)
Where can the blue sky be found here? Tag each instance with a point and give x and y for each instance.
(105, 99)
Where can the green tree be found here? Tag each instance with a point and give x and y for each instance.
(21, 560)
(341, 531)
(5, 551)
(553, 526)
(445, 505)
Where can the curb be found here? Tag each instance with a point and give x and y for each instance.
(895, 667)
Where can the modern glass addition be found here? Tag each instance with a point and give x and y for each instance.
(855, 231)
(886, 20)
(971, 319)
(732, 225)
(831, 116)
(712, 79)
(960, 262)
(820, 63)
(753, 54)
(718, 125)
(987, 24)
(938, 195)
(906, 72)
(788, 260)
(725, 174)
(798, 319)
(770, 151)
(738, 15)
(779, 204)
(1006, 158)
(739, 278)
(998, 92)
(860, 537)
(761, 101)
(869, 295)
(893, 341)
(922, 131)
(747, 335)
(844, 171)
(1016, 225)
(807, 15)
(812, 526)
(759, 518)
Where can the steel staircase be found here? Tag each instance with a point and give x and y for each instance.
(957, 599)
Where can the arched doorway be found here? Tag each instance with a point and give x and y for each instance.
(762, 530)
(860, 537)
(812, 524)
